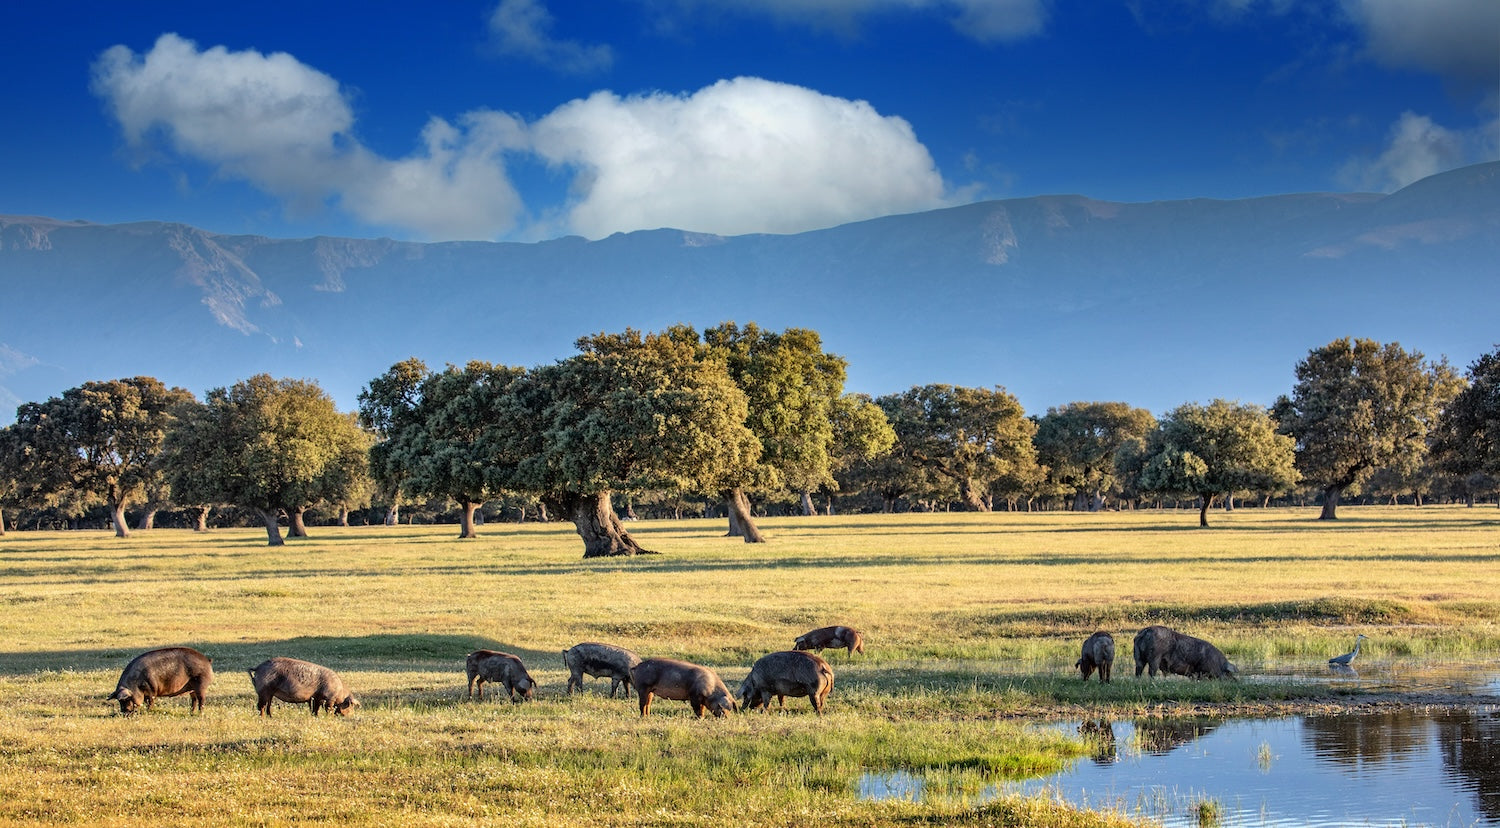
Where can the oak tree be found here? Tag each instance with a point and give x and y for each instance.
(971, 436)
(1217, 449)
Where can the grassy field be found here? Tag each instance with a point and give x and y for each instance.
(972, 623)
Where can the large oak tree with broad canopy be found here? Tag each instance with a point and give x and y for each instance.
(432, 426)
(631, 412)
(971, 436)
(1466, 441)
(98, 441)
(797, 410)
(1078, 442)
(1359, 406)
(1216, 449)
(265, 444)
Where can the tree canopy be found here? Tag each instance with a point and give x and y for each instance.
(432, 428)
(1077, 443)
(98, 441)
(1217, 449)
(631, 412)
(971, 436)
(1466, 441)
(265, 444)
(1358, 406)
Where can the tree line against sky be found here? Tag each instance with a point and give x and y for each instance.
(735, 414)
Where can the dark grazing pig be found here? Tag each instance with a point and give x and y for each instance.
(1098, 654)
(296, 681)
(170, 671)
(599, 661)
(669, 678)
(846, 637)
(790, 673)
(490, 665)
(1161, 648)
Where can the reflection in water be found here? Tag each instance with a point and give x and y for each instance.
(1394, 768)
(1161, 736)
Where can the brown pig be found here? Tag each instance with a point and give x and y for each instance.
(669, 678)
(1165, 649)
(840, 636)
(296, 681)
(490, 665)
(599, 661)
(1098, 653)
(789, 673)
(170, 671)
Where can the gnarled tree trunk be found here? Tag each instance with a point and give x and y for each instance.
(972, 499)
(2, 521)
(200, 519)
(147, 520)
(739, 516)
(808, 510)
(393, 515)
(273, 526)
(602, 532)
(117, 515)
(466, 529)
(297, 528)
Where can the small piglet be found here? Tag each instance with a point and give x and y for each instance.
(490, 665)
(170, 671)
(599, 661)
(790, 673)
(669, 678)
(296, 681)
(839, 636)
(1098, 654)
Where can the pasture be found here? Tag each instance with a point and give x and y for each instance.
(971, 622)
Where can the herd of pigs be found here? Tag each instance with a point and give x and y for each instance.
(173, 671)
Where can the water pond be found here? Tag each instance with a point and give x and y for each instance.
(1420, 766)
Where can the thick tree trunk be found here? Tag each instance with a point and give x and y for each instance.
(888, 503)
(343, 515)
(602, 532)
(2, 521)
(200, 519)
(466, 531)
(1203, 511)
(147, 520)
(393, 515)
(739, 515)
(1331, 503)
(117, 514)
(273, 526)
(808, 510)
(297, 529)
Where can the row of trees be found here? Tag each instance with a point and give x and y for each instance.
(737, 414)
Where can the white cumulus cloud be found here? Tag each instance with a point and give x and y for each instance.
(288, 129)
(740, 156)
(1417, 148)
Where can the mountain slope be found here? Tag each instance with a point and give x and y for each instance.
(1056, 297)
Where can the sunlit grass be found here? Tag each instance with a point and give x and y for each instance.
(971, 622)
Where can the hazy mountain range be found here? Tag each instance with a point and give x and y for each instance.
(1057, 298)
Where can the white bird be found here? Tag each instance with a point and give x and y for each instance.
(1349, 656)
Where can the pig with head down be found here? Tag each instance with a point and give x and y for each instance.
(297, 681)
(1164, 649)
(600, 661)
(837, 636)
(1098, 654)
(669, 678)
(170, 671)
(790, 673)
(490, 665)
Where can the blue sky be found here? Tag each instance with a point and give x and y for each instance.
(530, 119)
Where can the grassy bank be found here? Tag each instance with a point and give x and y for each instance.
(970, 621)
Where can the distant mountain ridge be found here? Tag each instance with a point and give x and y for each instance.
(996, 292)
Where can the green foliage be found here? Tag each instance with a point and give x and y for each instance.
(263, 443)
(1219, 448)
(97, 442)
(1359, 406)
(1467, 438)
(1078, 442)
(971, 436)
